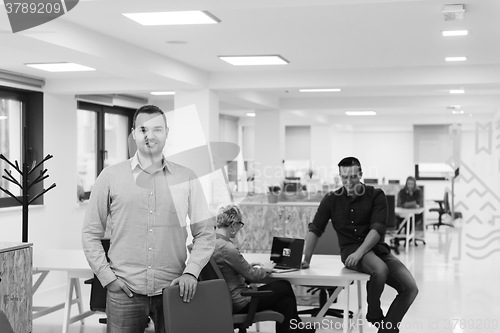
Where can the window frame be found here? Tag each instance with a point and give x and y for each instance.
(32, 120)
(101, 111)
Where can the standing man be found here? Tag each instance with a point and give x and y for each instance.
(359, 213)
(142, 203)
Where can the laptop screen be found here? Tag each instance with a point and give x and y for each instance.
(287, 252)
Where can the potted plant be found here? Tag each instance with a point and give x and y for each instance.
(274, 192)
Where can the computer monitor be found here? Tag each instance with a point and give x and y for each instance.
(370, 181)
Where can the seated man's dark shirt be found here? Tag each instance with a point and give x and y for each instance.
(353, 218)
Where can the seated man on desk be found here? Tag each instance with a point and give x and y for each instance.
(359, 213)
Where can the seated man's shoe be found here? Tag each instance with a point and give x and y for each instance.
(375, 321)
(304, 330)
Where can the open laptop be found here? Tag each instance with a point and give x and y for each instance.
(286, 253)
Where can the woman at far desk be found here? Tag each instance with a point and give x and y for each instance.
(236, 270)
(410, 196)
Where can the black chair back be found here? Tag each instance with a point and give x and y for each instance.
(391, 213)
(97, 291)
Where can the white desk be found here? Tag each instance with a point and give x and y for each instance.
(74, 263)
(325, 271)
(408, 215)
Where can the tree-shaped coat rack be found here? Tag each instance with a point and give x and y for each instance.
(25, 183)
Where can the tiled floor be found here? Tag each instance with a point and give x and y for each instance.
(457, 273)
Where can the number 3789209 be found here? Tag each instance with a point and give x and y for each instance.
(34, 8)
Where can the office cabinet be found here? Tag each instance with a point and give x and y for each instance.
(16, 262)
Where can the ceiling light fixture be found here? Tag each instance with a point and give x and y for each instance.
(3, 117)
(61, 67)
(457, 112)
(361, 113)
(255, 60)
(320, 90)
(452, 33)
(173, 18)
(250, 114)
(457, 91)
(451, 59)
(162, 93)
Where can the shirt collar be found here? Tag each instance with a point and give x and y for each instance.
(217, 235)
(134, 163)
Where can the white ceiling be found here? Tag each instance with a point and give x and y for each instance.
(385, 55)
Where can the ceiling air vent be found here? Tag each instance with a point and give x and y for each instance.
(453, 12)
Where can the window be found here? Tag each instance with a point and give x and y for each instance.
(21, 111)
(102, 139)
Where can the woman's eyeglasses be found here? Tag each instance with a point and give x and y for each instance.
(240, 223)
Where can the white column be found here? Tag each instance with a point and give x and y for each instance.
(207, 105)
(269, 134)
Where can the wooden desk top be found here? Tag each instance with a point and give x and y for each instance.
(8, 246)
(60, 260)
(325, 270)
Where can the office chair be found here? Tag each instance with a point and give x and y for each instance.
(328, 243)
(241, 321)
(5, 326)
(210, 310)
(391, 225)
(444, 208)
(97, 291)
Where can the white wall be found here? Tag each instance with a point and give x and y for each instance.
(384, 152)
(57, 224)
(228, 129)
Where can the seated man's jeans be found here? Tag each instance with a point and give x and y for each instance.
(130, 314)
(387, 269)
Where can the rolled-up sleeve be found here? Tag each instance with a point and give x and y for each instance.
(202, 226)
(322, 216)
(378, 219)
(94, 227)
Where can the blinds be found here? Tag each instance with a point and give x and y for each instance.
(15, 80)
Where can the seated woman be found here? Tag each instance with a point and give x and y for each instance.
(410, 196)
(236, 270)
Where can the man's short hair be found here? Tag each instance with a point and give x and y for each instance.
(149, 109)
(349, 161)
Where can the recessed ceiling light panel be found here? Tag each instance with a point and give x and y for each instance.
(255, 60)
(61, 67)
(162, 93)
(452, 33)
(250, 114)
(361, 113)
(457, 91)
(173, 18)
(450, 59)
(320, 90)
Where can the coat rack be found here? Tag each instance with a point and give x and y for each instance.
(25, 184)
